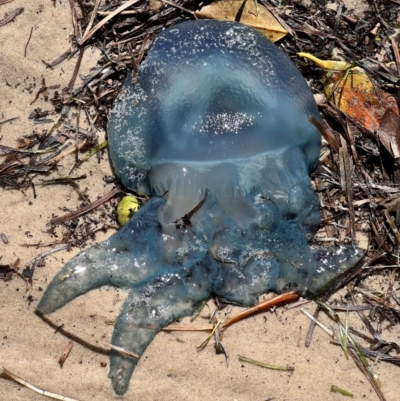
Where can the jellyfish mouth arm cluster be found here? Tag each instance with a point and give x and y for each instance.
(233, 263)
(226, 159)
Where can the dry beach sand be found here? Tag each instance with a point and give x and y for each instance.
(171, 368)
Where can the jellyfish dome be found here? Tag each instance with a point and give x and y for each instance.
(217, 129)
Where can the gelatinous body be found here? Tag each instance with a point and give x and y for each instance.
(217, 129)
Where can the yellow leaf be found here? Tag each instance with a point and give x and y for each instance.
(247, 12)
(350, 88)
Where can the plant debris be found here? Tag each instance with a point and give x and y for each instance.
(65, 353)
(24, 383)
(266, 365)
(10, 17)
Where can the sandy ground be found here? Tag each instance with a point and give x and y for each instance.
(171, 368)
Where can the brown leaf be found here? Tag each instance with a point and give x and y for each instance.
(355, 94)
(350, 88)
(65, 353)
(247, 12)
(389, 132)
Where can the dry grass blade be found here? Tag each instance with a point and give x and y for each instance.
(336, 389)
(311, 328)
(179, 327)
(206, 341)
(85, 209)
(121, 8)
(392, 226)
(92, 17)
(86, 338)
(348, 184)
(8, 18)
(76, 69)
(180, 8)
(266, 365)
(272, 10)
(317, 322)
(23, 382)
(396, 54)
(355, 351)
(367, 374)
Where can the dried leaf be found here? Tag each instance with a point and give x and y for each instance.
(247, 12)
(389, 132)
(65, 353)
(350, 88)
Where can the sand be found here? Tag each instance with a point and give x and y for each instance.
(171, 368)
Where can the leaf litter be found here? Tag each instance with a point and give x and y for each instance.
(357, 177)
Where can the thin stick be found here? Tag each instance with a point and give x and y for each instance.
(83, 336)
(311, 317)
(310, 331)
(177, 327)
(8, 120)
(180, 7)
(262, 306)
(34, 388)
(76, 69)
(206, 341)
(11, 16)
(367, 374)
(27, 43)
(92, 17)
(74, 18)
(105, 13)
(85, 209)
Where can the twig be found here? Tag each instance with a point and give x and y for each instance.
(8, 120)
(27, 43)
(85, 209)
(206, 341)
(278, 18)
(311, 317)
(336, 26)
(367, 374)
(92, 17)
(180, 7)
(11, 16)
(262, 306)
(74, 18)
(76, 69)
(123, 7)
(34, 388)
(61, 58)
(348, 186)
(84, 337)
(396, 54)
(311, 328)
